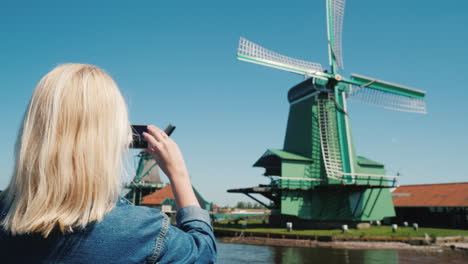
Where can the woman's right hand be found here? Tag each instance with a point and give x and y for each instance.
(169, 158)
(166, 153)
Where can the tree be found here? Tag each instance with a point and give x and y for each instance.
(241, 205)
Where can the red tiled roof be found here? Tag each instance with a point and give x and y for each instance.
(432, 195)
(159, 196)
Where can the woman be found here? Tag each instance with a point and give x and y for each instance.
(62, 204)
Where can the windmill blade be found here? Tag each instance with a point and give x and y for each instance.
(151, 173)
(387, 95)
(251, 52)
(335, 14)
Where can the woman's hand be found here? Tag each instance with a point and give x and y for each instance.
(166, 153)
(169, 158)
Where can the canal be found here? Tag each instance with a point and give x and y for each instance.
(249, 254)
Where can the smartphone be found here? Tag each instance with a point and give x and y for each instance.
(139, 141)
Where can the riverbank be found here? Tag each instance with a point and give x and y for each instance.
(350, 240)
(373, 231)
(263, 241)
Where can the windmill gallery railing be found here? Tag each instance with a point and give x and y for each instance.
(361, 179)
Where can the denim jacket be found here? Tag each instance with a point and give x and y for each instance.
(127, 234)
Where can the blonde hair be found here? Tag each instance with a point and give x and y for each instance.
(69, 152)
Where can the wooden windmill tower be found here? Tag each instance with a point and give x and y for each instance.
(317, 175)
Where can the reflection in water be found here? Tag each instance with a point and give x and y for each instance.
(333, 255)
(244, 254)
(248, 254)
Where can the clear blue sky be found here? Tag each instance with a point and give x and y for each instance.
(175, 63)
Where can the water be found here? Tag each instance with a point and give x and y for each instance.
(249, 254)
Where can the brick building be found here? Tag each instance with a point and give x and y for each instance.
(432, 205)
(164, 200)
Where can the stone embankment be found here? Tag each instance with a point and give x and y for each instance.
(289, 240)
(457, 246)
(313, 243)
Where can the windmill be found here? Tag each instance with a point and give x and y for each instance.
(146, 180)
(317, 175)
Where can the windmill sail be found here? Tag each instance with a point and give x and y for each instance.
(387, 95)
(335, 14)
(251, 52)
(152, 173)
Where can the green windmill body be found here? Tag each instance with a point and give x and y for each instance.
(317, 175)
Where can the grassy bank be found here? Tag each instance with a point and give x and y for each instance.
(374, 231)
